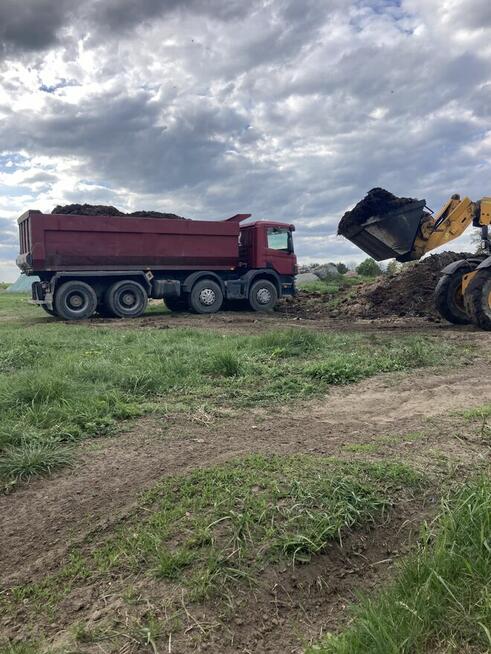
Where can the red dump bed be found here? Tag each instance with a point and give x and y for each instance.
(59, 242)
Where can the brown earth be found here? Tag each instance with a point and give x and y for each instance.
(377, 202)
(107, 210)
(404, 417)
(406, 294)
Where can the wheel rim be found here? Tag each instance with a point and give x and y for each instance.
(207, 297)
(128, 299)
(76, 301)
(264, 296)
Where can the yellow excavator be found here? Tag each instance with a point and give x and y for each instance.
(408, 231)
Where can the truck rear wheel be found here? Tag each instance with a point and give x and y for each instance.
(206, 296)
(478, 299)
(126, 299)
(449, 300)
(75, 300)
(263, 296)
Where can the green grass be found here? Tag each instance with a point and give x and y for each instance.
(478, 413)
(441, 598)
(221, 526)
(334, 285)
(482, 417)
(359, 448)
(60, 383)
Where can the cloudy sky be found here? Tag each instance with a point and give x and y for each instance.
(287, 109)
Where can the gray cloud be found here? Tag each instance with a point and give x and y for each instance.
(289, 110)
(32, 25)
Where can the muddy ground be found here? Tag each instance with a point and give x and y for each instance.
(406, 417)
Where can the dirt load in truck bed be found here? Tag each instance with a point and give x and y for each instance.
(377, 202)
(103, 210)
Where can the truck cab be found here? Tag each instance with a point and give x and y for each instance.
(267, 244)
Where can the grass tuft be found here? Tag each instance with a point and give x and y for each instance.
(32, 459)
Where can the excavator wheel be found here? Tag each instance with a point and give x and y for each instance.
(478, 299)
(449, 299)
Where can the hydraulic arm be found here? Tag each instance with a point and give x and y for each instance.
(451, 222)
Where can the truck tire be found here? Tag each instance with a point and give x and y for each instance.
(206, 296)
(75, 300)
(478, 299)
(126, 299)
(263, 296)
(449, 300)
(51, 312)
(176, 304)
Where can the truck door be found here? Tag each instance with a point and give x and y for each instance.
(279, 250)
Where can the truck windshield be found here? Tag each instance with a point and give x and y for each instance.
(280, 239)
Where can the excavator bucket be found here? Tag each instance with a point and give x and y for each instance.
(390, 231)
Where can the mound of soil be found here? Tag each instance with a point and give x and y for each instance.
(103, 210)
(408, 293)
(377, 202)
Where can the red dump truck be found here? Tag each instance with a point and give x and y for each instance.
(113, 264)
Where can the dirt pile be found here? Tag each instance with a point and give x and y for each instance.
(377, 202)
(103, 210)
(408, 293)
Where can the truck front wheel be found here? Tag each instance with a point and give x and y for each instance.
(126, 299)
(75, 300)
(263, 296)
(206, 296)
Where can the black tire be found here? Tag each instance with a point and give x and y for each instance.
(176, 304)
(75, 300)
(449, 300)
(51, 312)
(478, 299)
(206, 296)
(126, 299)
(263, 296)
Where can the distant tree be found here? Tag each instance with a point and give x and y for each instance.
(342, 268)
(369, 268)
(393, 267)
(477, 242)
